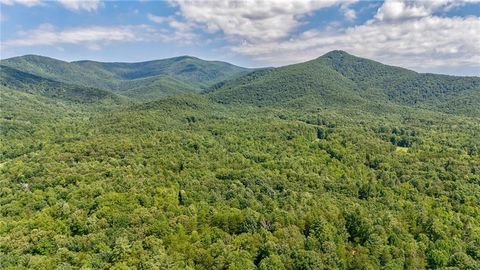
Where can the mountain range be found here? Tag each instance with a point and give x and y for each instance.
(144, 80)
(340, 79)
(334, 79)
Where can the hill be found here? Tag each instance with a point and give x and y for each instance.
(340, 79)
(36, 85)
(150, 79)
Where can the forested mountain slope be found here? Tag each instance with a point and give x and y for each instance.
(309, 166)
(142, 80)
(30, 105)
(404, 86)
(61, 71)
(36, 85)
(188, 69)
(340, 79)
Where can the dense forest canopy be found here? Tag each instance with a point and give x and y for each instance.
(336, 163)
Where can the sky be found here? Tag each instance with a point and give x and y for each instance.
(439, 36)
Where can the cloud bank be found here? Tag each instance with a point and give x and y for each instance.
(254, 21)
(92, 37)
(403, 33)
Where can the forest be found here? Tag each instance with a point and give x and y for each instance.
(336, 163)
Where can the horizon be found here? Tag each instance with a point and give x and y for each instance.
(445, 40)
(215, 60)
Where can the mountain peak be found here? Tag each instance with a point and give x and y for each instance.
(31, 57)
(185, 57)
(336, 54)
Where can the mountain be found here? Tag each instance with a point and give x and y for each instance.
(61, 71)
(402, 85)
(197, 72)
(32, 84)
(339, 79)
(144, 80)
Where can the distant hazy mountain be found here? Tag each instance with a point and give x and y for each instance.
(144, 80)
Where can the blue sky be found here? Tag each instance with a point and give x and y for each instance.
(441, 36)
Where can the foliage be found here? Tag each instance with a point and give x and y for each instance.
(340, 79)
(185, 182)
(25, 82)
(143, 80)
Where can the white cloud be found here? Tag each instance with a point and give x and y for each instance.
(405, 33)
(91, 37)
(181, 31)
(157, 19)
(172, 22)
(403, 9)
(349, 13)
(77, 5)
(251, 20)
(95, 37)
(28, 3)
(394, 9)
(74, 5)
(430, 41)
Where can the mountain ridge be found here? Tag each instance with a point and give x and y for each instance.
(32, 84)
(341, 79)
(330, 53)
(187, 73)
(336, 79)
